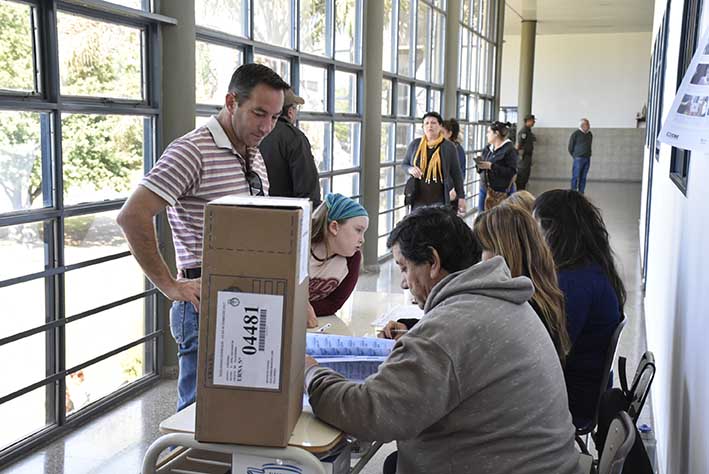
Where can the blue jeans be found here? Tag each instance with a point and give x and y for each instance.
(483, 194)
(579, 172)
(184, 326)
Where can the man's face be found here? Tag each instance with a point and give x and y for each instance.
(530, 123)
(585, 126)
(416, 278)
(257, 115)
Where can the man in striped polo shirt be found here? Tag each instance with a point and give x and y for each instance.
(218, 159)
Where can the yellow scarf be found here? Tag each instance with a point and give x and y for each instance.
(430, 169)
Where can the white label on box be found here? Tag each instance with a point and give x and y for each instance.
(304, 244)
(250, 464)
(248, 340)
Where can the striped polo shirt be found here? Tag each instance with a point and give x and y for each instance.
(195, 169)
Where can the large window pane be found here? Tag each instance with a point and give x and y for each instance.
(313, 88)
(345, 149)
(325, 186)
(437, 47)
(405, 32)
(423, 42)
(102, 156)
(465, 12)
(272, 22)
(23, 416)
(403, 100)
(26, 299)
(98, 58)
(473, 67)
(435, 101)
(386, 178)
(92, 236)
(21, 160)
(280, 65)
(387, 143)
(137, 4)
(389, 52)
(404, 135)
(345, 92)
(386, 97)
(222, 15)
(96, 381)
(102, 332)
(16, 52)
(385, 224)
(421, 105)
(25, 362)
(22, 249)
(464, 70)
(314, 34)
(88, 287)
(214, 66)
(319, 135)
(347, 184)
(348, 30)
(386, 202)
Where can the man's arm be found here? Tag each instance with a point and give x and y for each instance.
(137, 221)
(572, 143)
(413, 389)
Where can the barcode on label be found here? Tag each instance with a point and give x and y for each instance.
(262, 330)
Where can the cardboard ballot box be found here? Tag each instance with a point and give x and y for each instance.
(252, 320)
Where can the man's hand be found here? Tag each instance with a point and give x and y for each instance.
(393, 330)
(312, 318)
(415, 171)
(184, 289)
(461, 206)
(484, 165)
(452, 195)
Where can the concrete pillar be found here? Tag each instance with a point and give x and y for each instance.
(373, 46)
(452, 58)
(526, 70)
(498, 56)
(178, 117)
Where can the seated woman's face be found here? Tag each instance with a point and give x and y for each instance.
(487, 255)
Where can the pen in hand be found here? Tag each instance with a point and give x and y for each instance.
(325, 326)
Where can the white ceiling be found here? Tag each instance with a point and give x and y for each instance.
(580, 16)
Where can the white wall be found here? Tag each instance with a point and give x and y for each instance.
(600, 76)
(677, 287)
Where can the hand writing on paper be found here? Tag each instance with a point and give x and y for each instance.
(393, 330)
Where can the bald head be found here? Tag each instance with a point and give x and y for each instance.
(584, 125)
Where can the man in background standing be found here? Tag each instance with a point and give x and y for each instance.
(580, 150)
(525, 148)
(288, 156)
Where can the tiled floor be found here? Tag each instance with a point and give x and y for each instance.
(116, 441)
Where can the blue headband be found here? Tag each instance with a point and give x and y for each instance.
(340, 208)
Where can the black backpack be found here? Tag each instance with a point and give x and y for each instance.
(620, 399)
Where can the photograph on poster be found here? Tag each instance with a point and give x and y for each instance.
(693, 105)
(701, 75)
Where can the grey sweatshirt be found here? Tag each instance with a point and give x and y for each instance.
(475, 387)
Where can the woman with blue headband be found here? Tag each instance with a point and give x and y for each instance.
(339, 224)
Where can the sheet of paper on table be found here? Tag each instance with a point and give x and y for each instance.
(356, 358)
(398, 312)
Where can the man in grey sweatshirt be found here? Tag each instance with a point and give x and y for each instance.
(476, 386)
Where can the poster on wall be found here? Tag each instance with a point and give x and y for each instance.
(687, 124)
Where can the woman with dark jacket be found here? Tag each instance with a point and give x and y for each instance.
(432, 163)
(498, 164)
(594, 293)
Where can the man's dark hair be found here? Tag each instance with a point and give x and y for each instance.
(248, 76)
(436, 227)
(435, 115)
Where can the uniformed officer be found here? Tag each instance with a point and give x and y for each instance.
(525, 148)
(291, 168)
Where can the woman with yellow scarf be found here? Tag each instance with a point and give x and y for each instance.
(432, 163)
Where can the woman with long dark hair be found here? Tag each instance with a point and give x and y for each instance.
(595, 294)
